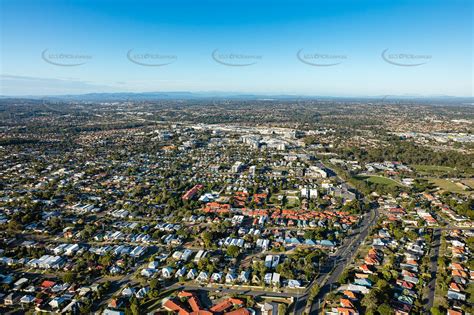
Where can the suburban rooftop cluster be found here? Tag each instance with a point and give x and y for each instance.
(284, 208)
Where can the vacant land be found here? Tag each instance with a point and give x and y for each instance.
(378, 180)
(433, 169)
(469, 182)
(438, 170)
(448, 185)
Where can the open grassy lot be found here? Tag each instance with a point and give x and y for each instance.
(433, 168)
(292, 198)
(378, 180)
(439, 170)
(448, 186)
(469, 182)
(274, 200)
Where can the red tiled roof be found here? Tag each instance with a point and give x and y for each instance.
(346, 303)
(457, 266)
(222, 306)
(193, 191)
(194, 303)
(455, 287)
(47, 284)
(350, 294)
(216, 207)
(174, 306)
(345, 311)
(240, 311)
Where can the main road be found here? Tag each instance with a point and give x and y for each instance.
(434, 253)
(329, 273)
(335, 264)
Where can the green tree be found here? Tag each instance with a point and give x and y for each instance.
(69, 277)
(435, 311)
(385, 309)
(233, 251)
(134, 306)
(370, 300)
(207, 238)
(154, 284)
(344, 276)
(282, 309)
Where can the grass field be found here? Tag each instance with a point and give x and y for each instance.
(274, 200)
(291, 200)
(378, 180)
(469, 182)
(433, 168)
(442, 170)
(448, 186)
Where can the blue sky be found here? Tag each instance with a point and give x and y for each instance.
(331, 48)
